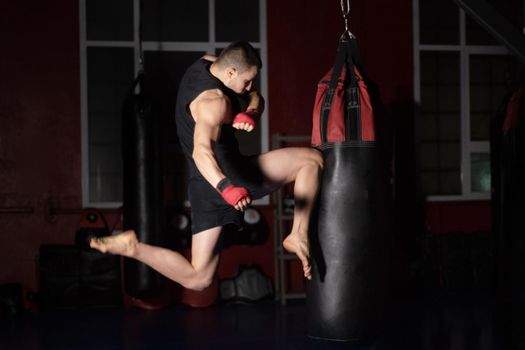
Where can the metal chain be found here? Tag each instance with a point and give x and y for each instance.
(346, 13)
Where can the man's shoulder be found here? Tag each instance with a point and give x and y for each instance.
(212, 99)
(212, 94)
(211, 106)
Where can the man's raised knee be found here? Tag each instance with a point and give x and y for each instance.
(317, 158)
(199, 284)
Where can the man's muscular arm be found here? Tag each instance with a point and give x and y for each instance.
(210, 110)
(256, 101)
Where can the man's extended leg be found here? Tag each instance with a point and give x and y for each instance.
(197, 274)
(302, 165)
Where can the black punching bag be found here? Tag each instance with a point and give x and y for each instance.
(508, 210)
(345, 297)
(142, 187)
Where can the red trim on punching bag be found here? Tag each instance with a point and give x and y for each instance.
(368, 130)
(319, 97)
(340, 111)
(336, 123)
(511, 120)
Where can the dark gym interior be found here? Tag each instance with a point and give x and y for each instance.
(450, 76)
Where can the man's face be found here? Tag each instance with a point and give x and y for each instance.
(241, 83)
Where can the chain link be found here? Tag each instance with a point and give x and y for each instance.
(346, 12)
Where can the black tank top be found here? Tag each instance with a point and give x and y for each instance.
(197, 79)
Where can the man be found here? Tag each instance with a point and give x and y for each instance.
(222, 181)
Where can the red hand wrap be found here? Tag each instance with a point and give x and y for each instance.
(231, 193)
(247, 117)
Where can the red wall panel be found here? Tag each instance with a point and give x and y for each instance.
(458, 217)
(39, 129)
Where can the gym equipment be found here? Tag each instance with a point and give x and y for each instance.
(142, 179)
(249, 285)
(92, 225)
(345, 297)
(508, 209)
(72, 278)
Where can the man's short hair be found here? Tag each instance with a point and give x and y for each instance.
(240, 55)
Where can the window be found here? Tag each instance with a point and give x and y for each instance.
(174, 34)
(461, 77)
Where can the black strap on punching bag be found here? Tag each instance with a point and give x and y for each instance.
(142, 178)
(344, 58)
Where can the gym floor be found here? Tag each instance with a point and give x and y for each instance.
(432, 322)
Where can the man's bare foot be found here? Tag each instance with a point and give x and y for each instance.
(124, 244)
(298, 244)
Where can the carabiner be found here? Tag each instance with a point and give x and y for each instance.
(347, 11)
(347, 34)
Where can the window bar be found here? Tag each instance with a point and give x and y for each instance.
(83, 105)
(465, 108)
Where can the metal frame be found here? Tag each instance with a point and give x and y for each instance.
(498, 27)
(209, 47)
(467, 146)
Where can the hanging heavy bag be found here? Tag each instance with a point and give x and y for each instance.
(142, 187)
(349, 227)
(508, 207)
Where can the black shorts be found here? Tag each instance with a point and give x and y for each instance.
(209, 209)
